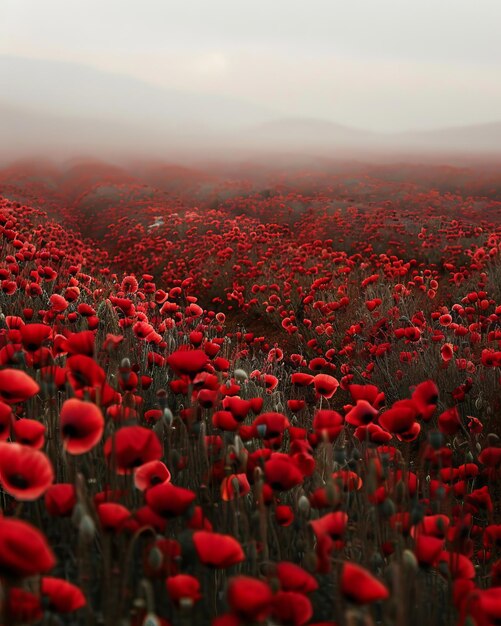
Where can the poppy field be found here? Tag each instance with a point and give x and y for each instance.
(250, 396)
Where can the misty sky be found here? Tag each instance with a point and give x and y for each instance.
(376, 64)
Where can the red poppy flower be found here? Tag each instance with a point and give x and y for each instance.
(301, 380)
(151, 474)
(60, 499)
(25, 473)
(188, 362)
(284, 515)
(270, 425)
(295, 578)
(112, 516)
(332, 524)
(362, 413)
(249, 598)
(400, 417)
(131, 447)
(427, 549)
(63, 597)
(33, 336)
(458, 564)
(24, 551)
(325, 385)
(29, 433)
(216, 550)
(183, 589)
(5, 421)
(291, 608)
(360, 586)
(82, 425)
(22, 607)
(449, 421)
(369, 393)
(328, 423)
(282, 473)
(168, 500)
(83, 371)
(16, 386)
(234, 486)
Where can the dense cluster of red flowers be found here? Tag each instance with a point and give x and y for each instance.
(237, 412)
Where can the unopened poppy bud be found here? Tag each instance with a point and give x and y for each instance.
(125, 363)
(409, 560)
(238, 445)
(332, 493)
(339, 455)
(78, 513)
(376, 560)
(417, 513)
(304, 506)
(167, 417)
(235, 486)
(241, 375)
(159, 429)
(155, 558)
(87, 528)
(261, 430)
(400, 491)
(186, 603)
(387, 508)
(310, 561)
(151, 620)
(435, 439)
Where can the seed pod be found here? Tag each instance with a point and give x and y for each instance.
(240, 375)
(87, 528)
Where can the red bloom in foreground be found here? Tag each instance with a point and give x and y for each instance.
(188, 362)
(24, 551)
(183, 589)
(16, 386)
(25, 473)
(217, 550)
(168, 500)
(249, 598)
(82, 425)
(131, 447)
(360, 586)
(63, 597)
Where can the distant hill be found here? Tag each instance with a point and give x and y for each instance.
(62, 110)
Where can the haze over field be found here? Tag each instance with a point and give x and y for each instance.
(197, 80)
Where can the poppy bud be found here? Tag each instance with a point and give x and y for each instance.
(151, 620)
(155, 558)
(436, 439)
(240, 375)
(167, 417)
(303, 505)
(387, 508)
(87, 528)
(409, 560)
(78, 513)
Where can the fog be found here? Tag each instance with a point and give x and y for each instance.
(194, 80)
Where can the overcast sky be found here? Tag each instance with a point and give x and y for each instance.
(376, 64)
